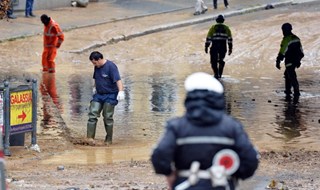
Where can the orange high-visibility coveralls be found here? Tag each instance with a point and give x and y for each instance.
(52, 39)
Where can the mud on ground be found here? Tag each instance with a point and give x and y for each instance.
(298, 168)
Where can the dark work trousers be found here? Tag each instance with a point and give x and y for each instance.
(29, 7)
(215, 5)
(10, 9)
(291, 80)
(217, 57)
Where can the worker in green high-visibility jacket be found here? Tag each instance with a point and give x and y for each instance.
(218, 37)
(290, 51)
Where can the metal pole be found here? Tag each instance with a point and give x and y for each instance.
(34, 111)
(2, 168)
(2, 176)
(6, 117)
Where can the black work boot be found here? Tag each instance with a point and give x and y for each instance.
(296, 97)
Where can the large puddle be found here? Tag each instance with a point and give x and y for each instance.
(101, 155)
(154, 68)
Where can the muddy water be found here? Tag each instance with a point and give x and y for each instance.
(154, 67)
(153, 71)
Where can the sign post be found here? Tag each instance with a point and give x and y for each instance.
(2, 167)
(34, 111)
(6, 116)
(20, 112)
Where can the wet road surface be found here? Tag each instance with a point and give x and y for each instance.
(153, 69)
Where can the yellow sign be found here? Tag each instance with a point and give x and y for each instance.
(20, 107)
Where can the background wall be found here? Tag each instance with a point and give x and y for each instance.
(19, 5)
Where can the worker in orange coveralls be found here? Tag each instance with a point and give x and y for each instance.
(52, 39)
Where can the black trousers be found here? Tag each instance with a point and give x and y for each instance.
(215, 5)
(291, 80)
(217, 61)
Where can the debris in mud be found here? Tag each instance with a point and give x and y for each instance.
(89, 142)
(274, 185)
(269, 6)
(72, 188)
(60, 168)
(79, 3)
(35, 147)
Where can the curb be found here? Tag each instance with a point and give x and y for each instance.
(164, 27)
(95, 24)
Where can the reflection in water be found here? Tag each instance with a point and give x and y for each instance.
(233, 98)
(154, 92)
(49, 92)
(228, 102)
(126, 104)
(163, 94)
(291, 126)
(75, 83)
(48, 87)
(101, 155)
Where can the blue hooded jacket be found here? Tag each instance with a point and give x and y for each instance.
(205, 117)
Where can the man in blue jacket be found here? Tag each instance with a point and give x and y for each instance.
(107, 90)
(205, 148)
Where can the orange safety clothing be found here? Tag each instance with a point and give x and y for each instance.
(52, 39)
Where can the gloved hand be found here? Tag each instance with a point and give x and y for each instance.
(94, 90)
(230, 51)
(278, 65)
(120, 95)
(280, 57)
(206, 49)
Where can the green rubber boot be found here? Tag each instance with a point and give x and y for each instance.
(94, 113)
(108, 111)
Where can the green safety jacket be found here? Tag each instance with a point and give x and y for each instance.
(219, 36)
(291, 50)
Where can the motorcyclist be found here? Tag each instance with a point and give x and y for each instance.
(190, 144)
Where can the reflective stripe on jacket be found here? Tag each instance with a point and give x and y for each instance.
(291, 49)
(203, 131)
(219, 33)
(52, 35)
